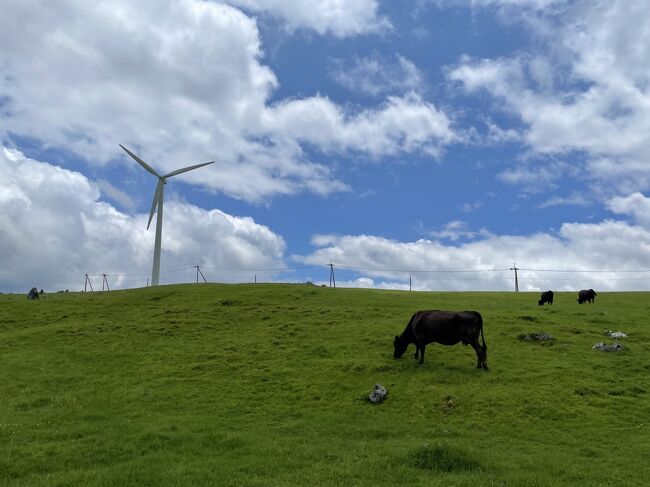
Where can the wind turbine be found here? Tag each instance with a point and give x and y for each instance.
(158, 201)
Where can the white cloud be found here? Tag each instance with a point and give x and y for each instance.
(533, 177)
(56, 229)
(576, 248)
(456, 230)
(536, 4)
(574, 199)
(587, 92)
(181, 82)
(406, 123)
(342, 18)
(376, 76)
(636, 204)
(471, 207)
(115, 194)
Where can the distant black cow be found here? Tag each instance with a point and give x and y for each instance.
(445, 327)
(33, 293)
(586, 295)
(546, 297)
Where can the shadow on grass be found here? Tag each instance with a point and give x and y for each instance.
(442, 458)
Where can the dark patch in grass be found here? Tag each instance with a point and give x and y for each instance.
(527, 318)
(589, 453)
(586, 391)
(320, 351)
(158, 441)
(227, 302)
(162, 296)
(575, 331)
(442, 458)
(377, 434)
(448, 404)
(41, 402)
(218, 442)
(93, 418)
(632, 391)
(617, 392)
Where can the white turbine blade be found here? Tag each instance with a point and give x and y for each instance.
(156, 197)
(185, 169)
(140, 161)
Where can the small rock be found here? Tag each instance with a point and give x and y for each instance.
(378, 394)
(614, 347)
(536, 337)
(615, 334)
(448, 405)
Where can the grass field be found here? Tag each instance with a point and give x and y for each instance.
(266, 385)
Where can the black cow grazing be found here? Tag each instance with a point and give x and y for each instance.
(33, 293)
(445, 327)
(546, 297)
(586, 295)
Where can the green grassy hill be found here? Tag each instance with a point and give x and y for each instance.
(267, 385)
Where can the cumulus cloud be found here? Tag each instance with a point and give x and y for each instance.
(585, 89)
(182, 82)
(407, 123)
(341, 18)
(56, 229)
(562, 261)
(636, 205)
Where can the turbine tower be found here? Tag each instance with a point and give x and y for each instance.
(158, 201)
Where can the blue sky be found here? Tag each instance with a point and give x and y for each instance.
(398, 138)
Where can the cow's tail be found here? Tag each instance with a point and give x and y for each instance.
(480, 318)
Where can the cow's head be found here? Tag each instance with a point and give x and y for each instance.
(400, 347)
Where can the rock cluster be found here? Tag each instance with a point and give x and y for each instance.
(614, 347)
(536, 337)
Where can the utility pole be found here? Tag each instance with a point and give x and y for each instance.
(410, 289)
(332, 278)
(88, 283)
(515, 268)
(105, 281)
(198, 271)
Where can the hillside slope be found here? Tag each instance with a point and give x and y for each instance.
(267, 385)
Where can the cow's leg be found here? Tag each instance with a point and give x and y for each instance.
(417, 350)
(481, 356)
(422, 354)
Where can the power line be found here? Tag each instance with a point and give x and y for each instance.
(583, 270)
(451, 271)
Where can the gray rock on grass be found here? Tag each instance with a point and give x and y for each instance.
(614, 347)
(378, 394)
(615, 334)
(536, 337)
